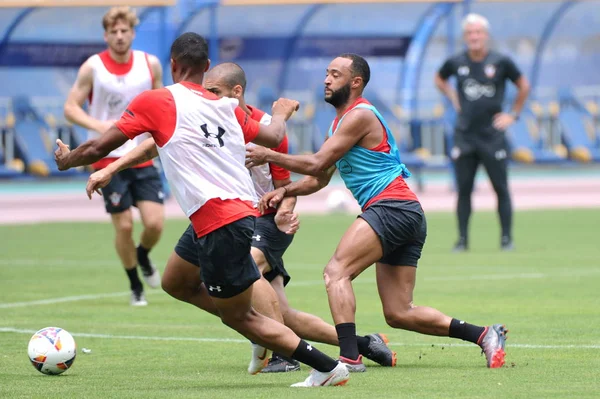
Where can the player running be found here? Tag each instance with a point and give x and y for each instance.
(392, 229)
(201, 141)
(109, 81)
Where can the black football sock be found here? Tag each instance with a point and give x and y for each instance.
(465, 331)
(142, 256)
(347, 338)
(134, 280)
(363, 344)
(307, 354)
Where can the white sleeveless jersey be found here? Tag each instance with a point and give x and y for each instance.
(112, 93)
(205, 157)
(261, 175)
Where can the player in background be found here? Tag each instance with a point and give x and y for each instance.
(269, 242)
(480, 131)
(392, 229)
(109, 81)
(201, 140)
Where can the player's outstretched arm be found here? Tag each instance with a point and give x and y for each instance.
(305, 186)
(80, 92)
(144, 152)
(141, 116)
(309, 184)
(355, 126)
(272, 135)
(89, 152)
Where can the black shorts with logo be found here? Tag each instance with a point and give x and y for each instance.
(267, 237)
(273, 243)
(402, 228)
(130, 186)
(224, 254)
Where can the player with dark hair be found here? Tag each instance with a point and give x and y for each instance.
(272, 236)
(479, 136)
(201, 140)
(390, 232)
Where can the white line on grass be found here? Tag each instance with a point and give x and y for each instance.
(63, 299)
(58, 262)
(136, 337)
(233, 340)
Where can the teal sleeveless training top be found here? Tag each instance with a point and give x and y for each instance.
(367, 173)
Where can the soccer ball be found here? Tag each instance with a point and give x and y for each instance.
(52, 350)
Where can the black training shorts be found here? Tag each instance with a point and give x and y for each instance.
(401, 228)
(130, 186)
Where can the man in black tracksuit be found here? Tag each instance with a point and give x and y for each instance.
(481, 124)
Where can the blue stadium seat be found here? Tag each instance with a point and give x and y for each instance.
(7, 171)
(527, 142)
(34, 143)
(580, 137)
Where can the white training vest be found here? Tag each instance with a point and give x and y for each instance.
(261, 175)
(112, 93)
(205, 157)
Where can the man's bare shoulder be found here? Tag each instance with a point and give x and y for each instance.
(87, 68)
(359, 117)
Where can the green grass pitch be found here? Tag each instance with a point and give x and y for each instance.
(547, 293)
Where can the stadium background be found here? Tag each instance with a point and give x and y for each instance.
(285, 48)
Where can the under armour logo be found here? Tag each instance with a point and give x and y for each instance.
(217, 288)
(257, 237)
(309, 348)
(217, 136)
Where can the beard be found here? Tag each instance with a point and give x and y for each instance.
(339, 97)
